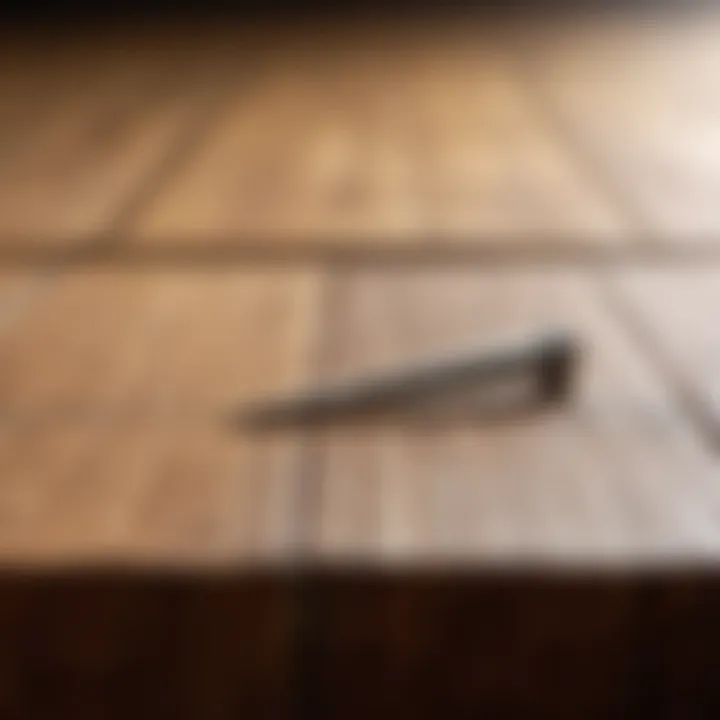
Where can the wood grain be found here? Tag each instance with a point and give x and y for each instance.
(18, 291)
(676, 311)
(417, 643)
(373, 140)
(110, 342)
(640, 96)
(115, 451)
(84, 122)
(138, 494)
(618, 476)
(186, 646)
(477, 644)
(117, 444)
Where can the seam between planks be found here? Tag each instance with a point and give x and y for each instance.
(109, 250)
(306, 595)
(194, 133)
(565, 134)
(685, 398)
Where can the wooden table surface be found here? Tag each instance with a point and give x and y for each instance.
(193, 218)
(190, 220)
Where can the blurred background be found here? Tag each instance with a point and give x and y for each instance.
(204, 207)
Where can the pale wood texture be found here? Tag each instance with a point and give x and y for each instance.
(373, 139)
(139, 493)
(617, 476)
(85, 120)
(116, 400)
(113, 341)
(640, 96)
(677, 312)
(17, 292)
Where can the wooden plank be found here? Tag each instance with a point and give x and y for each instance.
(640, 95)
(116, 443)
(84, 124)
(675, 311)
(109, 342)
(145, 494)
(380, 140)
(474, 644)
(18, 292)
(618, 476)
(198, 645)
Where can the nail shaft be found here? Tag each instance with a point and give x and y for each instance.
(548, 356)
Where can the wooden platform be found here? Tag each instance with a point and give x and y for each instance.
(192, 218)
